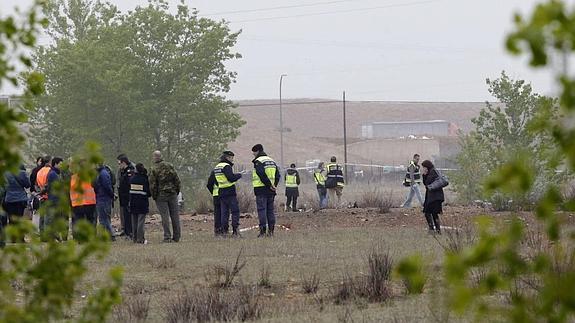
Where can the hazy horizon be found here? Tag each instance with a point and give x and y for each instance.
(380, 50)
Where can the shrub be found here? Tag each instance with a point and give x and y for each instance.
(412, 273)
(135, 310)
(373, 198)
(224, 276)
(310, 283)
(462, 234)
(264, 280)
(203, 305)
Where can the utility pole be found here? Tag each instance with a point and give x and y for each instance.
(344, 140)
(281, 124)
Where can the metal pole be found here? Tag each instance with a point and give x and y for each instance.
(281, 124)
(344, 139)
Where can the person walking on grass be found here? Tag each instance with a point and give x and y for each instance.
(165, 186)
(265, 178)
(292, 182)
(225, 180)
(413, 180)
(319, 178)
(434, 197)
(139, 202)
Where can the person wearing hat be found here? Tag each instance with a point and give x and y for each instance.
(292, 182)
(265, 178)
(222, 184)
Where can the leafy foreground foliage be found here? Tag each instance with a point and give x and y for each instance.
(518, 286)
(38, 281)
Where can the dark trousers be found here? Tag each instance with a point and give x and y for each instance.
(127, 219)
(292, 202)
(217, 215)
(138, 222)
(266, 215)
(433, 221)
(15, 213)
(229, 204)
(84, 212)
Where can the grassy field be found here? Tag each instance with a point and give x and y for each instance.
(329, 245)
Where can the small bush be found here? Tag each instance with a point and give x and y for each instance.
(204, 204)
(376, 282)
(214, 305)
(344, 291)
(461, 235)
(310, 283)
(163, 262)
(373, 198)
(135, 310)
(412, 273)
(246, 199)
(224, 276)
(264, 280)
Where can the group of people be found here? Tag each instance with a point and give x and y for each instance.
(93, 201)
(49, 189)
(265, 179)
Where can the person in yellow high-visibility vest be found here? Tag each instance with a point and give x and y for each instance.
(319, 179)
(265, 179)
(292, 182)
(334, 181)
(225, 180)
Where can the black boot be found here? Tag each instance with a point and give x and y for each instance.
(236, 233)
(271, 231)
(437, 224)
(429, 219)
(262, 232)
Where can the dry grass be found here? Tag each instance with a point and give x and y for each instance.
(374, 198)
(461, 234)
(163, 262)
(264, 279)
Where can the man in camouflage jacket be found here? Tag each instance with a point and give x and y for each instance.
(165, 186)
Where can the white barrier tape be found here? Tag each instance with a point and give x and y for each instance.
(257, 227)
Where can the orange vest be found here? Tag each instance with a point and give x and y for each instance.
(42, 180)
(83, 196)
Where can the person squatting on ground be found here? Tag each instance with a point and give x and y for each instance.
(265, 178)
(139, 202)
(225, 180)
(125, 171)
(104, 197)
(319, 178)
(434, 197)
(165, 186)
(292, 182)
(83, 201)
(334, 182)
(15, 198)
(413, 180)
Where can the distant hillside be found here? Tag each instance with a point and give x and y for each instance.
(315, 131)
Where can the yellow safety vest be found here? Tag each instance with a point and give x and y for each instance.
(221, 178)
(270, 169)
(416, 174)
(319, 178)
(291, 180)
(216, 191)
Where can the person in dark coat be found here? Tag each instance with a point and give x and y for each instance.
(39, 165)
(16, 197)
(139, 202)
(265, 179)
(292, 182)
(104, 197)
(55, 194)
(224, 178)
(126, 171)
(432, 206)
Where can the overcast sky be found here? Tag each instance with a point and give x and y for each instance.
(407, 50)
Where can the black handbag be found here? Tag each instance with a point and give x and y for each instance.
(440, 182)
